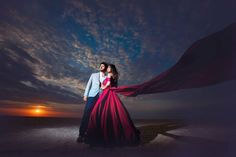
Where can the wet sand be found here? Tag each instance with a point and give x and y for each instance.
(57, 137)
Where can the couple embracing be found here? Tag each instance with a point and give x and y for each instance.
(105, 121)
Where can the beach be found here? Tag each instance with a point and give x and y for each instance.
(25, 136)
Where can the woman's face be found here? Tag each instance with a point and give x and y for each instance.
(109, 69)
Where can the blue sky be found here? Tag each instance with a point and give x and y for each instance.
(62, 42)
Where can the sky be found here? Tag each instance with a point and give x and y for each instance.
(50, 48)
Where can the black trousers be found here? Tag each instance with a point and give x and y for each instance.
(87, 111)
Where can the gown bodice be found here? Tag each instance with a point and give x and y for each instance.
(113, 82)
(106, 80)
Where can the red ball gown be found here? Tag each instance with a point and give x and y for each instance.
(110, 123)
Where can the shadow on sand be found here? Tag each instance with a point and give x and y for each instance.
(150, 132)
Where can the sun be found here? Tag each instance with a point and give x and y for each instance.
(38, 110)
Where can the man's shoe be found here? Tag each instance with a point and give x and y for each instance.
(80, 139)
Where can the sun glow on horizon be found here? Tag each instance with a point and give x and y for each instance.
(38, 110)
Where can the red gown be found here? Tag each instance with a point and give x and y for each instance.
(110, 123)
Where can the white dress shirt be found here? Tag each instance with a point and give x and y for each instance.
(93, 85)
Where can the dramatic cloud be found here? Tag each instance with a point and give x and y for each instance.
(50, 48)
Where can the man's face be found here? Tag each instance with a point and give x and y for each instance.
(102, 67)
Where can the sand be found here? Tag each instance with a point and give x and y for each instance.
(57, 137)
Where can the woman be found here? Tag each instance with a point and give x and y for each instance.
(110, 123)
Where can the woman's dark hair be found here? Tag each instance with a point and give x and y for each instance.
(115, 75)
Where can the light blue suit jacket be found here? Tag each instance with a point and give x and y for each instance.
(93, 85)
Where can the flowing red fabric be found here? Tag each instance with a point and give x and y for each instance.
(207, 62)
(110, 123)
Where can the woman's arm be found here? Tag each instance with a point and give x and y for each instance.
(106, 85)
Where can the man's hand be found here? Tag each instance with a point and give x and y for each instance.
(85, 98)
(102, 87)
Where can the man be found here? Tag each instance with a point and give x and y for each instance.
(91, 95)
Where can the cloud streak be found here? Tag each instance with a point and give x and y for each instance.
(66, 41)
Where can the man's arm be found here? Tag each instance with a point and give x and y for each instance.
(89, 83)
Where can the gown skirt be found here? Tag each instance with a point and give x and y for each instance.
(110, 123)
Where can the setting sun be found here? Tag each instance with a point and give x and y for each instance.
(38, 110)
(35, 110)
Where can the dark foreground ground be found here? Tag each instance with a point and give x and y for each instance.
(34, 137)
